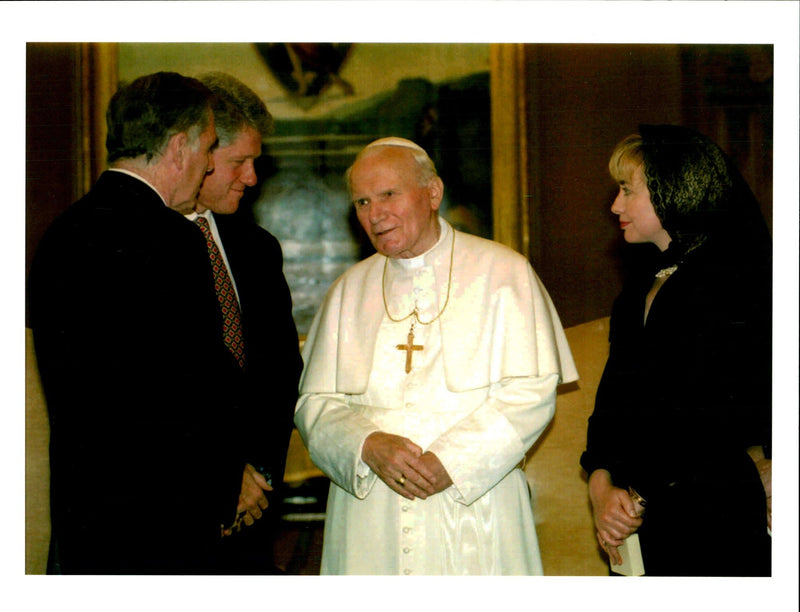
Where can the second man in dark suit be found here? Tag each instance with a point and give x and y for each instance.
(270, 358)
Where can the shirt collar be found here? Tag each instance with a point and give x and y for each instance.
(206, 214)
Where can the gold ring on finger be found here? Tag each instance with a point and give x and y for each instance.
(402, 480)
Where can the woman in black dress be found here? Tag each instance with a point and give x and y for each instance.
(682, 416)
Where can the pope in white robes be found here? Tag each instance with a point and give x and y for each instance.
(431, 369)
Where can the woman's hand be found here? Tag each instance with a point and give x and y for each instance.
(764, 467)
(616, 515)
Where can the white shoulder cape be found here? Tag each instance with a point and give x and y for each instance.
(500, 322)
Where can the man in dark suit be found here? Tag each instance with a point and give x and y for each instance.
(146, 458)
(271, 358)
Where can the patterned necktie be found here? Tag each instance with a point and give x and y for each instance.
(231, 317)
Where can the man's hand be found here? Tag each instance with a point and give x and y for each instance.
(252, 500)
(441, 479)
(397, 462)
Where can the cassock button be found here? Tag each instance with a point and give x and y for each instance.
(406, 529)
(406, 550)
(407, 572)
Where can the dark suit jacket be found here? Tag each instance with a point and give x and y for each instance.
(681, 399)
(272, 371)
(273, 362)
(145, 454)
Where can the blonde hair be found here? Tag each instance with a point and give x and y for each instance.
(626, 157)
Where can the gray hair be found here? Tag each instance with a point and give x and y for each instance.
(143, 115)
(236, 107)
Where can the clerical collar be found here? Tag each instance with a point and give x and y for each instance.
(415, 263)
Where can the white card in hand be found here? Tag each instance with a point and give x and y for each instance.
(631, 553)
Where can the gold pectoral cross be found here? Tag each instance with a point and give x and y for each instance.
(409, 348)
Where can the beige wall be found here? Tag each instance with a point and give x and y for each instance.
(37, 467)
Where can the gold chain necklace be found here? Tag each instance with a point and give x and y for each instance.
(415, 313)
(410, 347)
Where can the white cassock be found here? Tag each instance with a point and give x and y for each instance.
(479, 394)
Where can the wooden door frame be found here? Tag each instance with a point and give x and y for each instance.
(511, 202)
